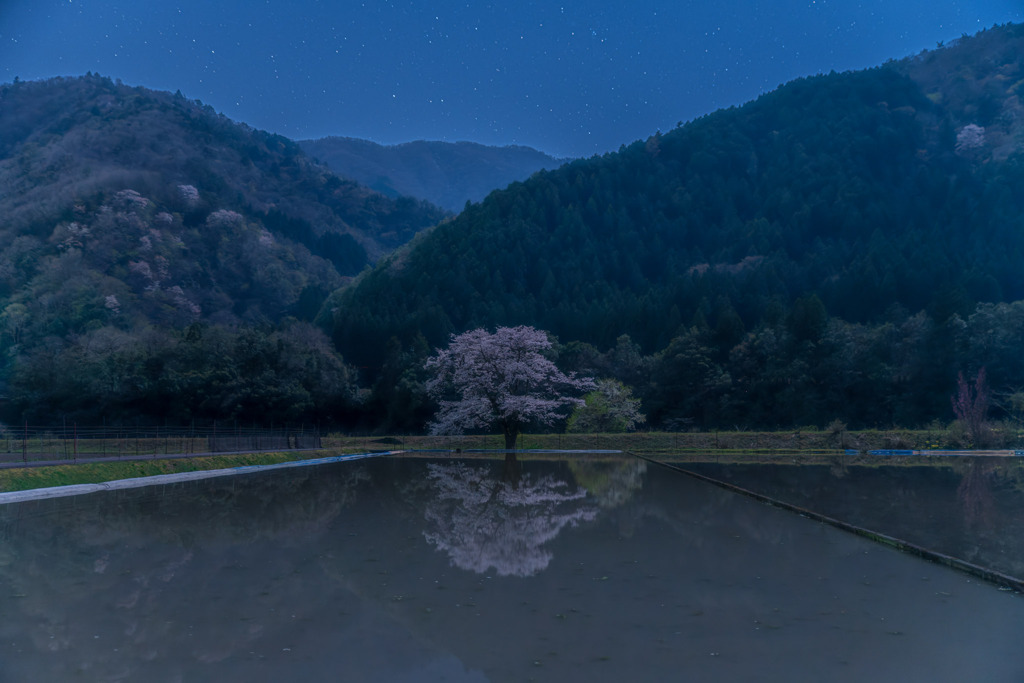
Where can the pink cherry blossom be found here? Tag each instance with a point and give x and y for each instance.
(501, 379)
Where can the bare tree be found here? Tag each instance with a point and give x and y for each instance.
(970, 405)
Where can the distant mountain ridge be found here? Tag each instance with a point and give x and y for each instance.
(447, 174)
(833, 249)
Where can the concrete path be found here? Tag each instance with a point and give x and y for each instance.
(159, 479)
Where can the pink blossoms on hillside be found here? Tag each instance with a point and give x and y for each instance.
(499, 380)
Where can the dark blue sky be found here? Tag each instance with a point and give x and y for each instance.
(570, 77)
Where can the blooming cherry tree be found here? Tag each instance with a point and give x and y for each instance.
(501, 380)
(971, 136)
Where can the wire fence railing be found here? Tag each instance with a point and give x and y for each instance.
(71, 442)
(32, 444)
(647, 442)
(35, 444)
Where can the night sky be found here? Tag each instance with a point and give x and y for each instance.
(571, 78)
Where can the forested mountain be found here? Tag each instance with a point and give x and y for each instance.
(838, 248)
(444, 173)
(63, 141)
(158, 259)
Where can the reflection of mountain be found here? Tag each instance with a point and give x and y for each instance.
(325, 574)
(170, 582)
(482, 522)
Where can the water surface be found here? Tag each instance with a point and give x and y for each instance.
(413, 569)
(970, 508)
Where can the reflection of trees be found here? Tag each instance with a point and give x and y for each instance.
(975, 492)
(610, 483)
(116, 559)
(838, 467)
(481, 522)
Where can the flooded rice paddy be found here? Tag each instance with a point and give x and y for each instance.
(600, 568)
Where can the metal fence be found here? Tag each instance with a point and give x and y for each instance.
(634, 441)
(33, 444)
(472, 442)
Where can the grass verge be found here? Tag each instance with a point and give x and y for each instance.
(808, 446)
(26, 478)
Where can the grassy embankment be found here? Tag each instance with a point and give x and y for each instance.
(804, 440)
(793, 446)
(25, 478)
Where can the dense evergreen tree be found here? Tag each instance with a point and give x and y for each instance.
(818, 253)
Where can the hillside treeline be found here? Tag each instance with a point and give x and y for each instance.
(159, 262)
(64, 141)
(839, 249)
(831, 186)
(138, 310)
(802, 368)
(818, 253)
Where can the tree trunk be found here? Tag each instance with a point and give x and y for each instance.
(511, 434)
(513, 471)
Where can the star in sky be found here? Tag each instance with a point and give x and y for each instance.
(569, 77)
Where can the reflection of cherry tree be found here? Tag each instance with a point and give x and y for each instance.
(482, 522)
